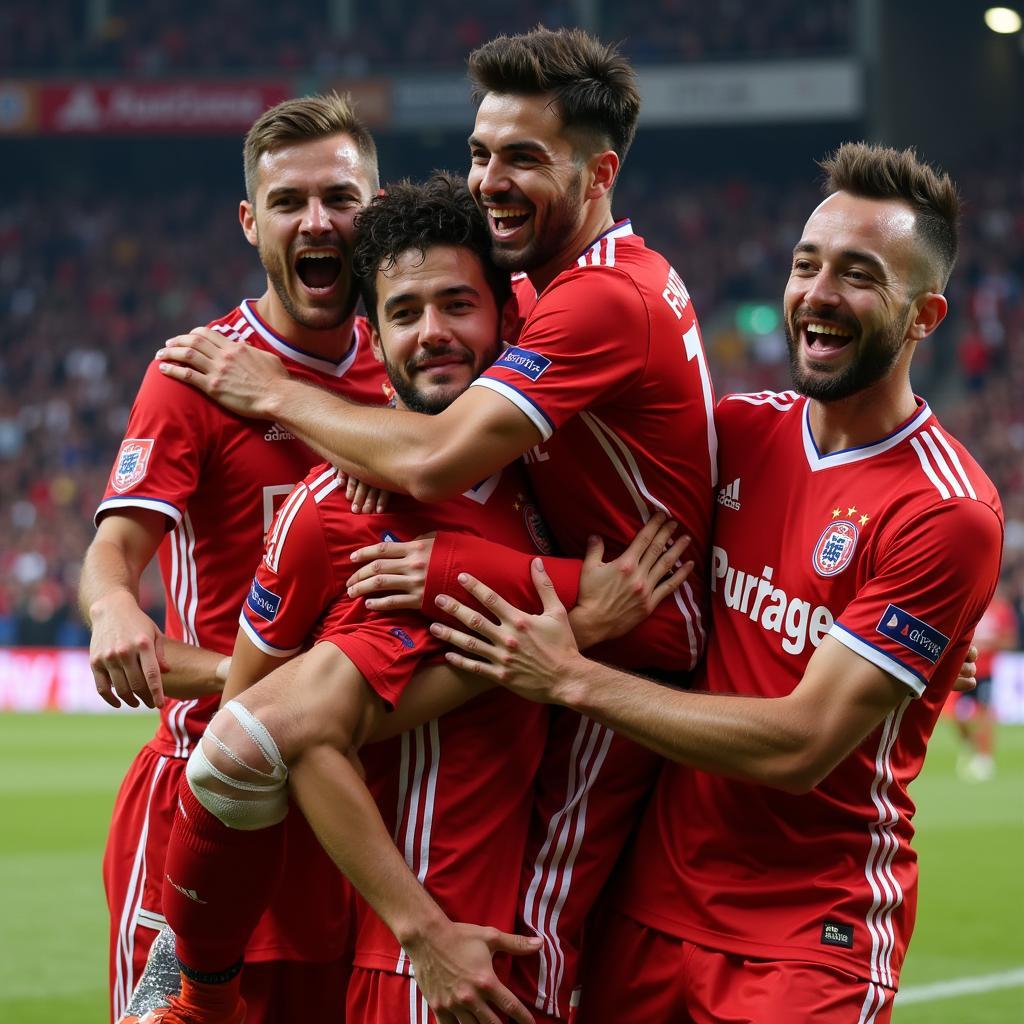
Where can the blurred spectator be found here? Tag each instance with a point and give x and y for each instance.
(139, 37)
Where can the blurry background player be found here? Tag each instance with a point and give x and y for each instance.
(200, 486)
(606, 395)
(463, 783)
(973, 714)
(777, 883)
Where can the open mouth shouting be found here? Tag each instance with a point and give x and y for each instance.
(823, 340)
(318, 270)
(506, 221)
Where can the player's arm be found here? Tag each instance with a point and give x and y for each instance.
(429, 457)
(607, 599)
(789, 742)
(130, 657)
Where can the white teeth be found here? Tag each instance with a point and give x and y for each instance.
(502, 214)
(318, 255)
(823, 329)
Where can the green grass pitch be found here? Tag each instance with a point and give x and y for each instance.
(59, 773)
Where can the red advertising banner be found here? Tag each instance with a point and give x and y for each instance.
(48, 679)
(152, 108)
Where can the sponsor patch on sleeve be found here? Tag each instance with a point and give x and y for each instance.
(912, 633)
(265, 603)
(132, 463)
(523, 361)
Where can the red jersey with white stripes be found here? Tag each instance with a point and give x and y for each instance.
(893, 549)
(610, 369)
(218, 478)
(457, 791)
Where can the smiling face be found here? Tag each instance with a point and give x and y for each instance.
(301, 221)
(437, 325)
(851, 303)
(527, 179)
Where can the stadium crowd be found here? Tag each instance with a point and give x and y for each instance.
(86, 297)
(221, 36)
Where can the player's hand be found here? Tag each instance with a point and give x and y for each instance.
(617, 596)
(533, 655)
(239, 377)
(397, 567)
(365, 499)
(967, 677)
(456, 976)
(126, 653)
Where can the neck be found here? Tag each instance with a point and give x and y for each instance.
(862, 418)
(598, 220)
(332, 344)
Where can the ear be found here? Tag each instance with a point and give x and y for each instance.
(931, 311)
(376, 345)
(508, 322)
(603, 169)
(247, 218)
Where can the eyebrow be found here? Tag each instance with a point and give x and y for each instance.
(848, 255)
(443, 293)
(523, 146)
(291, 190)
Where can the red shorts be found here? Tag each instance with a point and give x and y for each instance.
(591, 789)
(380, 997)
(311, 920)
(638, 975)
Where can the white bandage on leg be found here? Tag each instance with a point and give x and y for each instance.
(258, 800)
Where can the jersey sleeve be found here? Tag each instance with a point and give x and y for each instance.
(503, 569)
(293, 582)
(160, 459)
(585, 341)
(928, 591)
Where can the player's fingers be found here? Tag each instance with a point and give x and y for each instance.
(670, 557)
(121, 685)
(672, 583)
(662, 539)
(187, 355)
(470, 616)
(350, 488)
(595, 551)
(186, 374)
(411, 602)
(642, 541)
(359, 496)
(383, 582)
(490, 599)
(509, 1005)
(383, 498)
(161, 657)
(385, 549)
(104, 687)
(546, 589)
(152, 693)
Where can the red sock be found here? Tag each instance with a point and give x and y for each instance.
(217, 883)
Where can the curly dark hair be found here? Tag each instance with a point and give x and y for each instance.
(414, 217)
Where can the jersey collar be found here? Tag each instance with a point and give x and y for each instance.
(816, 461)
(296, 355)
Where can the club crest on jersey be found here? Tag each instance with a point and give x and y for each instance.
(835, 548)
(537, 529)
(132, 463)
(529, 364)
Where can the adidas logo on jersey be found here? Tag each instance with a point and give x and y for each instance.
(188, 893)
(730, 496)
(278, 433)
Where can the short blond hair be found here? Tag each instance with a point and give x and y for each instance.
(301, 120)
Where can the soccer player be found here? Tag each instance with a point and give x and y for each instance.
(856, 546)
(199, 486)
(606, 395)
(462, 784)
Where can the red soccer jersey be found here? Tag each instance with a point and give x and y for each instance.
(610, 369)
(218, 479)
(893, 549)
(456, 792)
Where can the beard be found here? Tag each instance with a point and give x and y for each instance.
(415, 400)
(316, 318)
(563, 217)
(878, 353)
